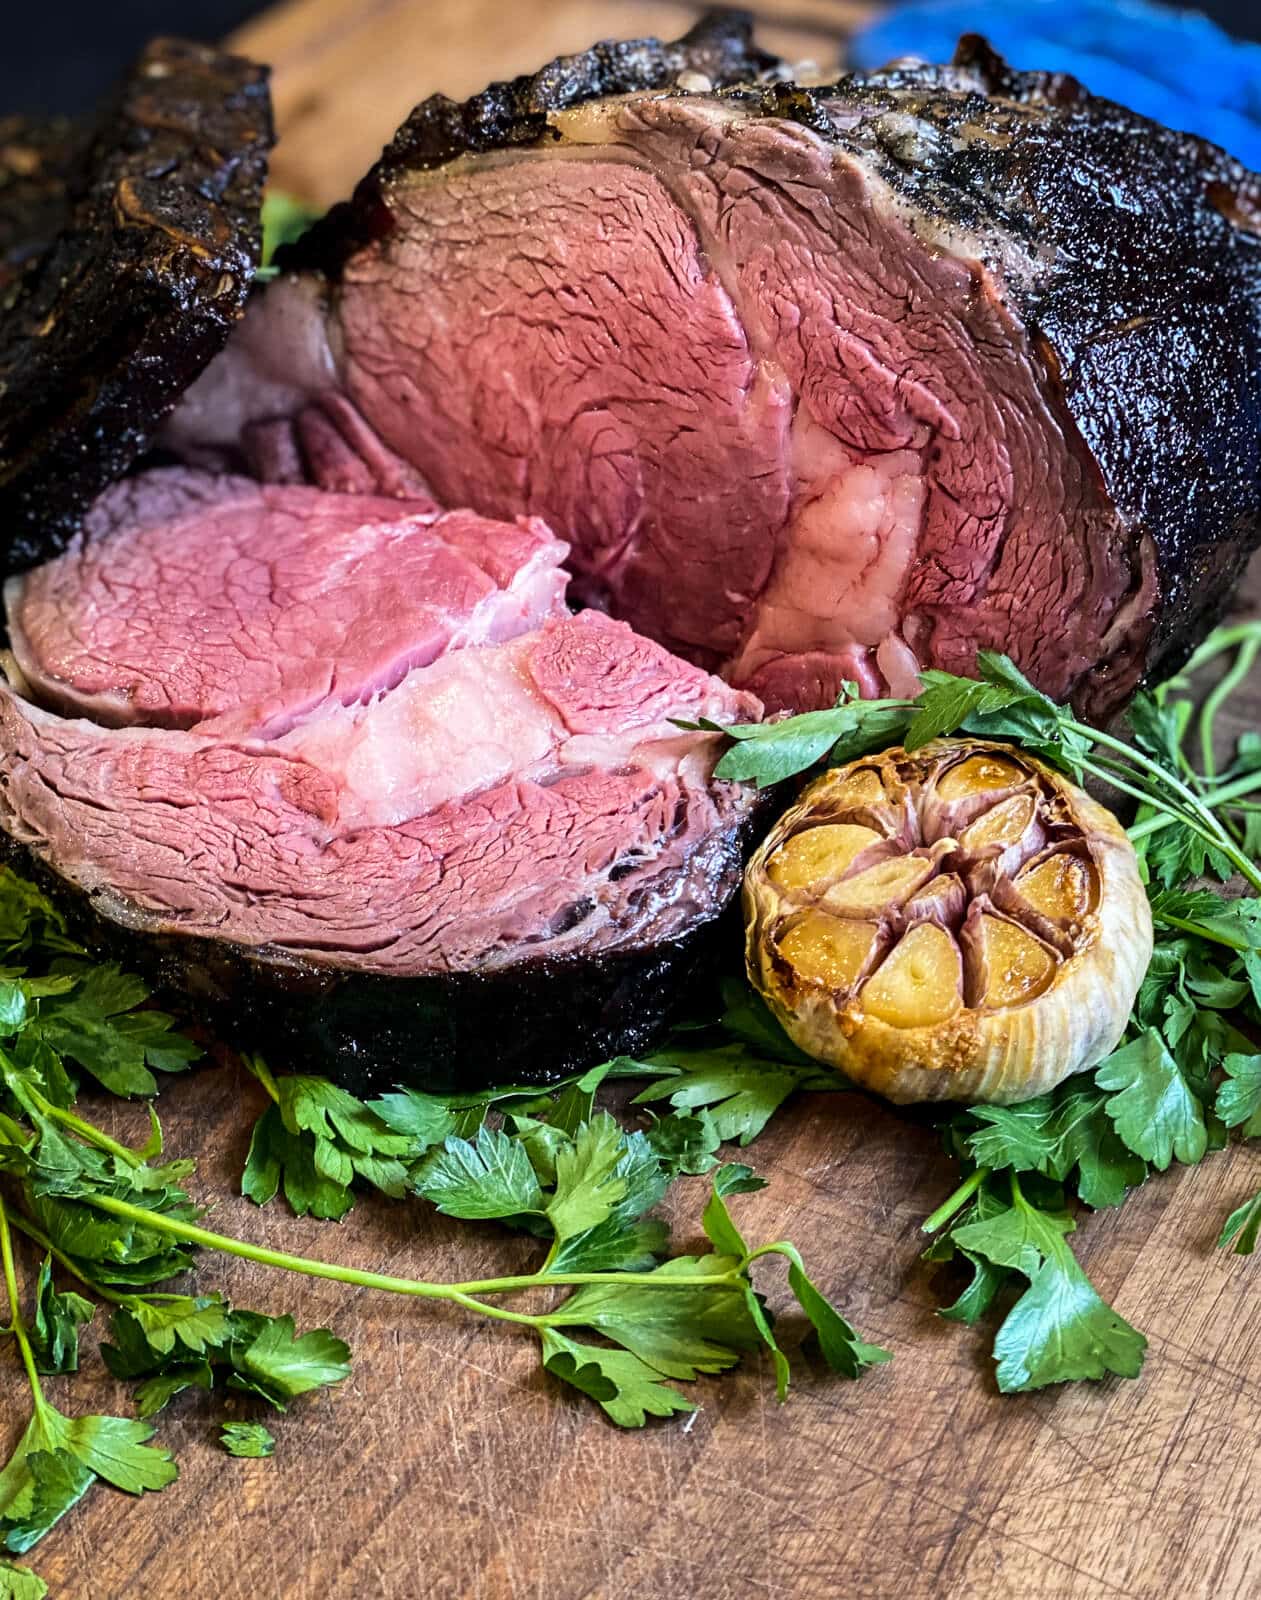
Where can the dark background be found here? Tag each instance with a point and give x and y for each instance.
(57, 55)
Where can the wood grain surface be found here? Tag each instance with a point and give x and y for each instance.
(449, 1467)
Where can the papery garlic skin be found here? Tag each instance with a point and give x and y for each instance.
(1091, 922)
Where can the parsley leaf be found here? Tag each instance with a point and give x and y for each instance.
(269, 1360)
(185, 1341)
(57, 1460)
(54, 1331)
(425, 1119)
(191, 1324)
(685, 1142)
(29, 921)
(741, 1090)
(489, 1176)
(588, 1185)
(247, 1439)
(316, 1140)
(767, 753)
(628, 1389)
(721, 1231)
(1153, 1109)
(97, 1024)
(947, 702)
(1242, 1227)
(1239, 1095)
(20, 1583)
(679, 1334)
(38, 1486)
(1056, 1134)
(1060, 1330)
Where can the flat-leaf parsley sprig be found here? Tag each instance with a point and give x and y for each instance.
(1189, 1069)
(622, 1320)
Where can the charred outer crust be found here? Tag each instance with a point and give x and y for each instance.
(718, 48)
(38, 161)
(1130, 253)
(1139, 284)
(102, 335)
(533, 1022)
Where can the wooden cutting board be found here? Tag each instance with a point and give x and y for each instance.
(449, 1467)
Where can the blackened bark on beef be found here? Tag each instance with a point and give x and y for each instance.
(719, 49)
(1128, 257)
(151, 269)
(534, 1022)
(1139, 282)
(38, 159)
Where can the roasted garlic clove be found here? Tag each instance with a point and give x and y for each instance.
(1060, 885)
(833, 951)
(920, 983)
(983, 963)
(817, 856)
(886, 883)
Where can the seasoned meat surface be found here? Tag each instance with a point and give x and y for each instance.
(149, 268)
(820, 384)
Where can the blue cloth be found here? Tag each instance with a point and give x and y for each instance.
(1177, 67)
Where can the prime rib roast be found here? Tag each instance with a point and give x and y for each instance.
(372, 775)
(798, 384)
(820, 384)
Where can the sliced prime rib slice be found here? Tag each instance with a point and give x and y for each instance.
(819, 383)
(491, 869)
(154, 222)
(234, 607)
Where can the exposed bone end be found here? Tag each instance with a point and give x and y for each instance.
(921, 982)
(814, 857)
(832, 951)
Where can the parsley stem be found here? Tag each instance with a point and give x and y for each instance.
(87, 1131)
(956, 1201)
(1217, 643)
(17, 1326)
(1200, 821)
(39, 1237)
(258, 1067)
(1249, 783)
(460, 1293)
(1199, 931)
(1163, 775)
(1221, 692)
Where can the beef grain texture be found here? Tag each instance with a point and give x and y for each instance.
(819, 383)
(158, 242)
(531, 1023)
(359, 786)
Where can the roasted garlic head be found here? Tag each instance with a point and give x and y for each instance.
(957, 923)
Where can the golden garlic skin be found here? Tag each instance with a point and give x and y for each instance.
(967, 924)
